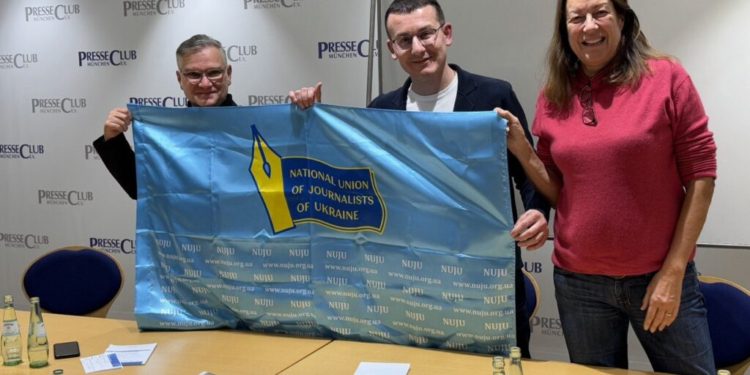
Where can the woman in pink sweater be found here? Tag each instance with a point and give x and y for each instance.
(626, 158)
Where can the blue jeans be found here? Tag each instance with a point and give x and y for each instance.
(595, 312)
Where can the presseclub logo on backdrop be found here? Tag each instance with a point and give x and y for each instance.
(238, 53)
(106, 58)
(159, 101)
(57, 105)
(272, 4)
(532, 267)
(64, 197)
(547, 325)
(18, 60)
(268, 99)
(113, 245)
(345, 49)
(21, 151)
(140, 8)
(304, 190)
(56, 12)
(23, 240)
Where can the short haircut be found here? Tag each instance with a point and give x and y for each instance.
(408, 6)
(196, 43)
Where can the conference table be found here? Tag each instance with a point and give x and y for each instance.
(241, 352)
(188, 352)
(343, 357)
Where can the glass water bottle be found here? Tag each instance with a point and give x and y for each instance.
(498, 365)
(515, 362)
(11, 337)
(38, 345)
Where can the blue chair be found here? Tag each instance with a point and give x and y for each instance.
(74, 281)
(532, 293)
(728, 306)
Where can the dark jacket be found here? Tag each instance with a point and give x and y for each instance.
(119, 157)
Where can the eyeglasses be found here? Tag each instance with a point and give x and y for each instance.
(213, 75)
(587, 102)
(426, 38)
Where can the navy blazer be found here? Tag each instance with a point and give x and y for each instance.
(480, 93)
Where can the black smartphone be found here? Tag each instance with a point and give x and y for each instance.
(66, 350)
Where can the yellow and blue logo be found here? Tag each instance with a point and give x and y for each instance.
(305, 190)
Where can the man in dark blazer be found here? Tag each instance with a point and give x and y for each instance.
(418, 37)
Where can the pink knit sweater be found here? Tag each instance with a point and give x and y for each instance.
(623, 180)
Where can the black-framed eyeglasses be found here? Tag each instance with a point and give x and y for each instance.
(587, 103)
(213, 75)
(427, 38)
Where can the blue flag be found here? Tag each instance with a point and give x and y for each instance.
(360, 224)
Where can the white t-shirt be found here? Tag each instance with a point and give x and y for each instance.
(443, 101)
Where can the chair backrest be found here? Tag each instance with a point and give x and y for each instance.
(728, 306)
(532, 293)
(74, 281)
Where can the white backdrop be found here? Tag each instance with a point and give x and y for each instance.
(53, 103)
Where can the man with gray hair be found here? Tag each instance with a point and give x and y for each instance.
(204, 76)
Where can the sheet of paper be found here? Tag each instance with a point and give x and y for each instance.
(377, 368)
(132, 355)
(101, 362)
